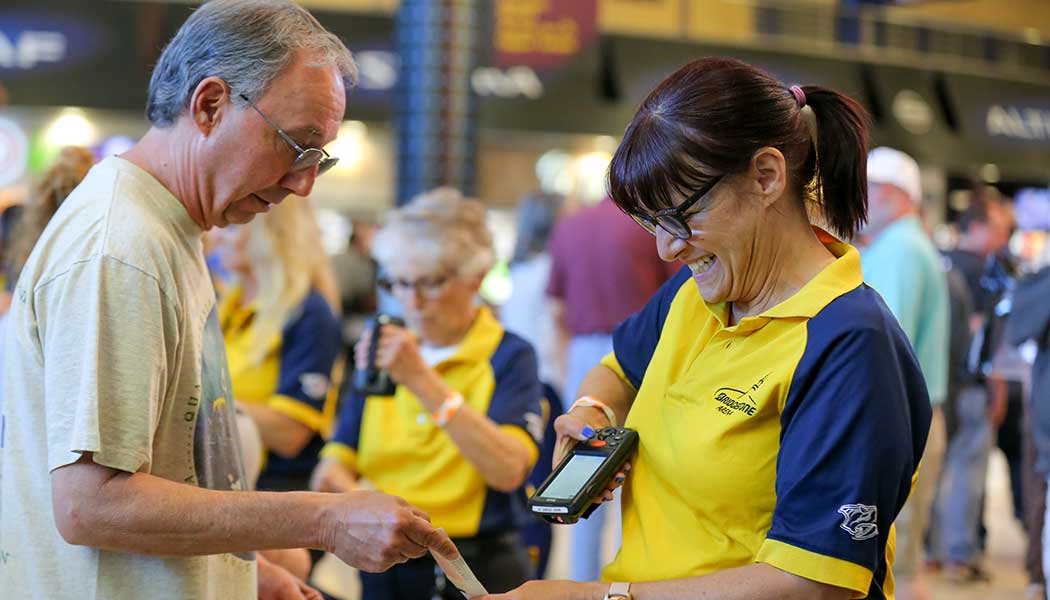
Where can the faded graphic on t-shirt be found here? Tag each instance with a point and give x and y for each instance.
(216, 453)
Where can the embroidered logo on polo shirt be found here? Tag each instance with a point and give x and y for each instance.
(535, 425)
(314, 385)
(733, 400)
(860, 521)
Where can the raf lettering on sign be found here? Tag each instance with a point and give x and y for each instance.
(31, 48)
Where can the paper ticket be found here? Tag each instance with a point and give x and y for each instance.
(460, 575)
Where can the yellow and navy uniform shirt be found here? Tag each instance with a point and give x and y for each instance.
(294, 378)
(791, 438)
(392, 441)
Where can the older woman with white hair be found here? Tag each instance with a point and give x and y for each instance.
(459, 435)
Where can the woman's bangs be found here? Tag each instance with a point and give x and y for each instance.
(652, 171)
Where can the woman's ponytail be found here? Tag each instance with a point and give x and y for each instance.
(841, 158)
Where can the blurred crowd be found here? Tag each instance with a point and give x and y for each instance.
(291, 316)
(464, 432)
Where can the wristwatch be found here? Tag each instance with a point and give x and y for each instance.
(619, 591)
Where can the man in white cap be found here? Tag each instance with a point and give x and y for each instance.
(901, 263)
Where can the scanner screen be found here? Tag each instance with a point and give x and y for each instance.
(573, 476)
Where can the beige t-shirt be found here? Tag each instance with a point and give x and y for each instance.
(113, 347)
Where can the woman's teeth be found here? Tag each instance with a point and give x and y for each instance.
(701, 265)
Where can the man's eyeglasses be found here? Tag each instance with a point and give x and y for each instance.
(306, 157)
(427, 286)
(674, 220)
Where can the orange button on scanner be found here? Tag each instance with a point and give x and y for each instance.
(597, 443)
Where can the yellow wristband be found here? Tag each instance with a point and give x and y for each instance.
(447, 410)
(594, 402)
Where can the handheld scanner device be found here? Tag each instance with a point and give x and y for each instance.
(569, 493)
(369, 379)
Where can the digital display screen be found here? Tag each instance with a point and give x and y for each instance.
(573, 476)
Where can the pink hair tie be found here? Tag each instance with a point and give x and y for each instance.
(800, 96)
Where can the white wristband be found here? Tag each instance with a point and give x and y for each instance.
(448, 409)
(593, 402)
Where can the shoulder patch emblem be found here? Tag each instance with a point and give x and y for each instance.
(860, 521)
(535, 425)
(314, 385)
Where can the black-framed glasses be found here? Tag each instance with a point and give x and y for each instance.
(428, 286)
(305, 157)
(674, 220)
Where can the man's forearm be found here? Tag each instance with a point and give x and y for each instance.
(145, 514)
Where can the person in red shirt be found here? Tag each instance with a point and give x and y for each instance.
(603, 269)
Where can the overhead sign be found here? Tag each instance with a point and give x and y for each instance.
(31, 48)
(1019, 123)
(38, 40)
(542, 33)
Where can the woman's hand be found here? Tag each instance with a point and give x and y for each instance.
(579, 425)
(553, 590)
(331, 476)
(276, 583)
(398, 353)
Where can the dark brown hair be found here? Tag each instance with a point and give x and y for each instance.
(709, 117)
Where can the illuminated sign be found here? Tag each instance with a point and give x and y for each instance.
(35, 41)
(1018, 123)
(510, 83)
(31, 48)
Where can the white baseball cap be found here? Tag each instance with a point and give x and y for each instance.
(893, 167)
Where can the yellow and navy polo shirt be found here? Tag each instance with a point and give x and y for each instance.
(294, 378)
(790, 438)
(392, 441)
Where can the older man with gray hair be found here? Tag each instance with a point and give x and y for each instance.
(121, 473)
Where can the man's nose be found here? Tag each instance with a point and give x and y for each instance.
(300, 182)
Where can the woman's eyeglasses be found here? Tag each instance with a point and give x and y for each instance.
(674, 220)
(306, 157)
(427, 286)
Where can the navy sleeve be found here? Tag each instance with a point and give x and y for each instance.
(309, 346)
(516, 399)
(634, 340)
(348, 426)
(853, 430)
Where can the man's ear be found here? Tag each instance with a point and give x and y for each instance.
(209, 103)
(769, 170)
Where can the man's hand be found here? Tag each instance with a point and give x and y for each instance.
(374, 531)
(276, 583)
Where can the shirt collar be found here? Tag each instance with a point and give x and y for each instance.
(162, 198)
(841, 276)
(481, 341)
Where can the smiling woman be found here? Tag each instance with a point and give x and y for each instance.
(780, 409)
